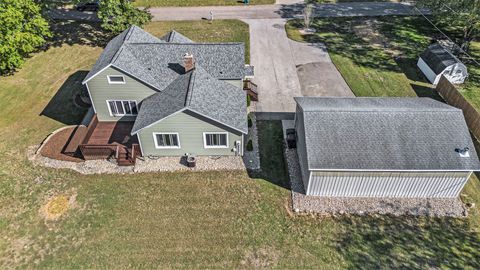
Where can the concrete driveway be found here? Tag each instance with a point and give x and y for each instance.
(285, 69)
(275, 71)
(317, 74)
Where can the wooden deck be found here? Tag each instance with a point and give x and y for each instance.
(117, 133)
(103, 140)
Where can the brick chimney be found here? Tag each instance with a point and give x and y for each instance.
(188, 62)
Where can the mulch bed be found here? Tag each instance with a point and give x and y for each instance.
(53, 148)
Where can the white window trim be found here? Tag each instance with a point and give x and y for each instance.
(166, 147)
(121, 100)
(210, 146)
(111, 82)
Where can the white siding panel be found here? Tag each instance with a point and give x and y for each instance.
(387, 184)
(427, 71)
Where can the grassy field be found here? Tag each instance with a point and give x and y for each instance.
(184, 220)
(193, 3)
(204, 31)
(376, 56)
(471, 89)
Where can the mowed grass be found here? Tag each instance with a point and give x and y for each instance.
(367, 66)
(204, 31)
(186, 220)
(194, 3)
(471, 88)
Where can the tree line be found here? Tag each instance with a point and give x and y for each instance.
(25, 26)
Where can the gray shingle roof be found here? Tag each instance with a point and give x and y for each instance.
(385, 134)
(249, 71)
(438, 58)
(200, 93)
(156, 62)
(175, 37)
(133, 34)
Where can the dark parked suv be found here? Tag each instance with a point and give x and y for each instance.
(90, 6)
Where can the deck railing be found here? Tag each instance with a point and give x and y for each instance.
(94, 151)
(251, 89)
(91, 127)
(135, 152)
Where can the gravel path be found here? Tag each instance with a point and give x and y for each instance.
(204, 163)
(162, 164)
(252, 158)
(362, 206)
(86, 167)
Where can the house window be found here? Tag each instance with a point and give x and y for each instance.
(166, 140)
(215, 140)
(122, 107)
(116, 79)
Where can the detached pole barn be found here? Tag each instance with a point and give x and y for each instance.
(383, 147)
(436, 61)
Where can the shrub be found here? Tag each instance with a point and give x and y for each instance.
(250, 121)
(248, 100)
(249, 145)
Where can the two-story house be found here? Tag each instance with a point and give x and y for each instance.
(166, 96)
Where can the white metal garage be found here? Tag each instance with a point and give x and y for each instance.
(383, 147)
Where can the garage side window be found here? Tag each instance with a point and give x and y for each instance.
(116, 79)
(166, 140)
(215, 139)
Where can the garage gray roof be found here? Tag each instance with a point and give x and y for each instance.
(199, 92)
(385, 134)
(438, 58)
(156, 62)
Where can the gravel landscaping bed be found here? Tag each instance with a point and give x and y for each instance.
(161, 164)
(361, 206)
(204, 163)
(252, 158)
(85, 167)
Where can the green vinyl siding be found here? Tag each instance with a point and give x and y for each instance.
(190, 128)
(101, 91)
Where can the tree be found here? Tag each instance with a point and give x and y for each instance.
(22, 31)
(461, 14)
(308, 16)
(118, 15)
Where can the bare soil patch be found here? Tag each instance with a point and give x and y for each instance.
(367, 30)
(265, 257)
(57, 206)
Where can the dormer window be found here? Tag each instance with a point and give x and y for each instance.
(116, 79)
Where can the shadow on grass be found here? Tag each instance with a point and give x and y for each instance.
(62, 107)
(338, 35)
(82, 33)
(408, 243)
(270, 140)
(425, 91)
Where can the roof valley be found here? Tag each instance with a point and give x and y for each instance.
(191, 82)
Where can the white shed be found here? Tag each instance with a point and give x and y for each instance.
(437, 60)
(383, 147)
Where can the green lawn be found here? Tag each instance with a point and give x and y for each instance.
(185, 220)
(347, 1)
(368, 68)
(471, 89)
(193, 3)
(204, 31)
